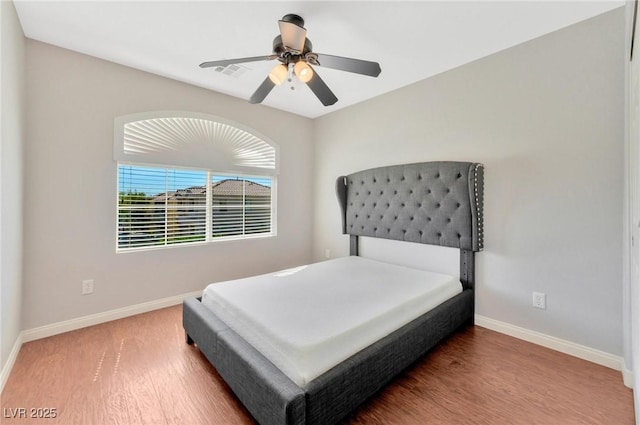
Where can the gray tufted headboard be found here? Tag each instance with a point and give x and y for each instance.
(437, 203)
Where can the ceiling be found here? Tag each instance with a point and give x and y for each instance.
(411, 40)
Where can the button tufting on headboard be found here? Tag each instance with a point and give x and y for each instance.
(436, 203)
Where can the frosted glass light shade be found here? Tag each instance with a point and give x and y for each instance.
(278, 74)
(303, 71)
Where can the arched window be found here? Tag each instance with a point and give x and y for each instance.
(187, 178)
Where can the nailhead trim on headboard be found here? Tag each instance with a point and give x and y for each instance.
(478, 184)
(437, 203)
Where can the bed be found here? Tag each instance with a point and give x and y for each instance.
(438, 203)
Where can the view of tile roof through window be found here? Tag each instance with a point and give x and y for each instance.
(227, 187)
(160, 206)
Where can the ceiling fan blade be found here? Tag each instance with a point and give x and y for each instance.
(357, 66)
(293, 35)
(321, 90)
(226, 62)
(262, 91)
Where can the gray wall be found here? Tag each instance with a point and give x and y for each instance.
(70, 191)
(546, 119)
(632, 296)
(12, 124)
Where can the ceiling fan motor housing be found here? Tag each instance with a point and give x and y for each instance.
(292, 18)
(285, 56)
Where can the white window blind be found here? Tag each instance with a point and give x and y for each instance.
(207, 190)
(193, 140)
(240, 206)
(167, 206)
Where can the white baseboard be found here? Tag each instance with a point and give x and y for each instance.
(627, 375)
(563, 346)
(107, 316)
(8, 365)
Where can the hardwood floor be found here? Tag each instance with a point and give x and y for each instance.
(139, 370)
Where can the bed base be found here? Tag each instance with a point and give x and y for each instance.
(272, 398)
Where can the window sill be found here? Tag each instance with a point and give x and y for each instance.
(217, 240)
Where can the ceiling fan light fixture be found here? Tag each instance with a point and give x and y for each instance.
(278, 74)
(303, 71)
(292, 31)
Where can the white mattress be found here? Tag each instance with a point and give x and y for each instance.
(308, 319)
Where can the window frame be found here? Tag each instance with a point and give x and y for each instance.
(185, 140)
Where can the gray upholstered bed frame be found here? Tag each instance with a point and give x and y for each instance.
(438, 203)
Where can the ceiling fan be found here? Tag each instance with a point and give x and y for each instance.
(293, 50)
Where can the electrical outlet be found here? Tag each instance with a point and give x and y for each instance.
(87, 287)
(327, 253)
(539, 300)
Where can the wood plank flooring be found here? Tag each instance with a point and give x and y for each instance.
(139, 370)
